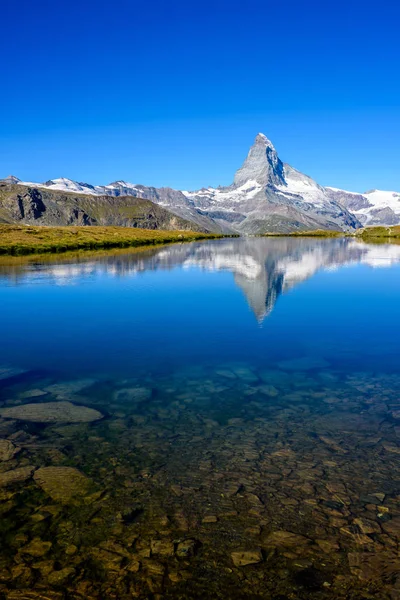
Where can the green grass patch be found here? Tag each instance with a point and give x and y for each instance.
(19, 240)
(380, 233)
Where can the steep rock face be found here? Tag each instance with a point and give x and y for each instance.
(262, 164)
(22, 204)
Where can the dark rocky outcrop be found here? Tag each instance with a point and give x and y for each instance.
(40, 206)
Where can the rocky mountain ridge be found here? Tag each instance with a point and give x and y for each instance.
(43, 206)
(376, 207)
(266, 195)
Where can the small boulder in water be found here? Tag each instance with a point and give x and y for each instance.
(16, 476)
(66, 388)
(242, 558)
(52, 412)
(32, 394)
(7, 450)
(62, 484)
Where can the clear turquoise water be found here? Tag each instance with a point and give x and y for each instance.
(249, 387)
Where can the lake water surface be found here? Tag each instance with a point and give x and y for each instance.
(210, 420)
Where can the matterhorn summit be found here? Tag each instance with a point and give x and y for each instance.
(262, 164)
(268, 195)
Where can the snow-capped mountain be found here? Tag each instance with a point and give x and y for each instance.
(266, 195)
(376, 207)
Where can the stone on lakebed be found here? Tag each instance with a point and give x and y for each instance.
(66, 388)
(62, 484)
(52, 412)
(241, 558)
(7, 450)
(16, 476)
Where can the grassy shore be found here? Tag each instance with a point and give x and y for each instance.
(376, 233)
(368, 233)
(23, 239)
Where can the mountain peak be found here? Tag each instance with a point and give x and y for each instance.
(262, 164)
(261, 138)
(11, 179)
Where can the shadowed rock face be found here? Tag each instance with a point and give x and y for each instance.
(350, 201)
(40, 206)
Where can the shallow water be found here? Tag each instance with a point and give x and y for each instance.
(249, 439)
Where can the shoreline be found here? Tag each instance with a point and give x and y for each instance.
(368, 233)
(28, 240)
(23, 240)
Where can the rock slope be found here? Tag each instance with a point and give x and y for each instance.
(42, 206)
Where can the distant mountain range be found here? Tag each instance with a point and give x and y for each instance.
(266, 195)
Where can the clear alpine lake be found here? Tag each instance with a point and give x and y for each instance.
(217, 419)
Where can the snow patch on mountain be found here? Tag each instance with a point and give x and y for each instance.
(376, 207)
(220, 195)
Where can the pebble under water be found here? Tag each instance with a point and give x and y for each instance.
(209, 420)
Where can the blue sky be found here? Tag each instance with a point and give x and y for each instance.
(173, 93)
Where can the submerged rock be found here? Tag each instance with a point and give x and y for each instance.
(242, 558)
(34, 595)
(392, 528)
(62, 484)
(33, 394)
(7, 450)
(186, 549)
(66, 388)
(225, 373)
(245, 373)
(210, 519)
(162, 547)
(285, 539)
(36, 548)
(134, 394)
(52, 412)
(58, 578)
(8, 372)
(268, 390)
(16, 476)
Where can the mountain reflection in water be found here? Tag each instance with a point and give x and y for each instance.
(263, 268)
